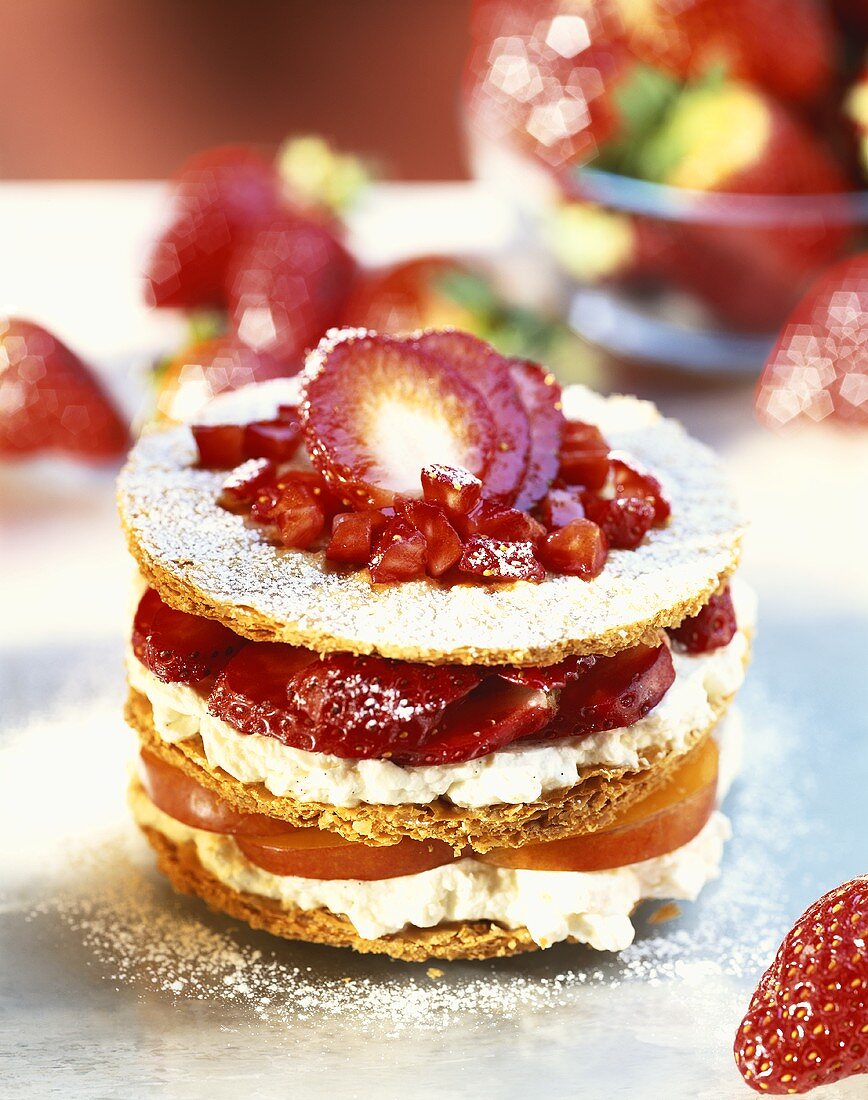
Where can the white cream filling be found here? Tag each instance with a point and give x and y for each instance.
(518, 774)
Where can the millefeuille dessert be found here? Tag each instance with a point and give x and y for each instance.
(429, 657)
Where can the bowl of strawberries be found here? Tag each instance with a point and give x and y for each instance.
(691, 167)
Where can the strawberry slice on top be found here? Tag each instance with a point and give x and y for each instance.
(376, 411)
(541, 396)
(490, 373)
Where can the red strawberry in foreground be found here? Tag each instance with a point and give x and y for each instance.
(50, 401)
(807, 1024)
(217, 196)
(819, 366)
(376, 411)
(287, 283)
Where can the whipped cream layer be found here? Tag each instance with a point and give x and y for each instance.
(592, 907)
(518, 774)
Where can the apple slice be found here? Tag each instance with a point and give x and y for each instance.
(664, 820)
(336, 858)
(376, 411)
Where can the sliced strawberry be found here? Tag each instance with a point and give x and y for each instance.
(807, 1023)
(352, 537)
(714, 626)
(50, 401)
(541, 396)
(377, 411)
(629, 481)
(453, 488)
(353, 707)
(578, 549)
(298, 516)
(491, 375)
(286, 285)
(495, 560)
(191, 378)
(625, 520)
(442, 544)
(220, 446)
(549, 677)
(490, 718)
(275, 439)
(177, 647)
(400, 553)
(217, 196)
(560, 506)
(615, 691)
(245, 483)
(584, 455)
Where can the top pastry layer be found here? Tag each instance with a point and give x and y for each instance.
(210, 562)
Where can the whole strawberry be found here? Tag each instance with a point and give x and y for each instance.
(807, 1023)
(50, 401)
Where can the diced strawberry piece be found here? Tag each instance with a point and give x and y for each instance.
(443, 546)
(714, 626)
(630, 482)
(584, 455)
(549, 677)
(625, 520)
(298, 516)
(400, 553)
(506, 524)
(286, 284)
(262, 509)
(541, 396)
(377, 411)
(51, 401)
(495, 560)
(221, 446)
(352, 537)
(615, 692)
(245, 483)
(490, 374)
(490, 718)
(560, 507)
(807, 1023)
(578, 549)
(177, 647)
(353, 707)
(274, 439)
(217, 196)
(453, 488)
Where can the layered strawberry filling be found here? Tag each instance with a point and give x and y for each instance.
(433, 456)
(667, 844)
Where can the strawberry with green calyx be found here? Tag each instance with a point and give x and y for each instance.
(807, 1023)
(51, 402)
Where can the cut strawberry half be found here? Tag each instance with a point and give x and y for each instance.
(493, 716)
(177, 647)
(490, 374)
(495, 560)
(453, 488)
(625, 520)
(245, 483)
(377, 411)
(442, 544)
(275, 439)
(714, 626)
(353, 707)
(630, 481)
(807, 1023)
(578, 549)
(400, 553)
(541, 396)
(584, 455)
(220, 446)
(615, 692)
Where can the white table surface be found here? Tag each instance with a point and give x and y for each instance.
(71, 1026)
